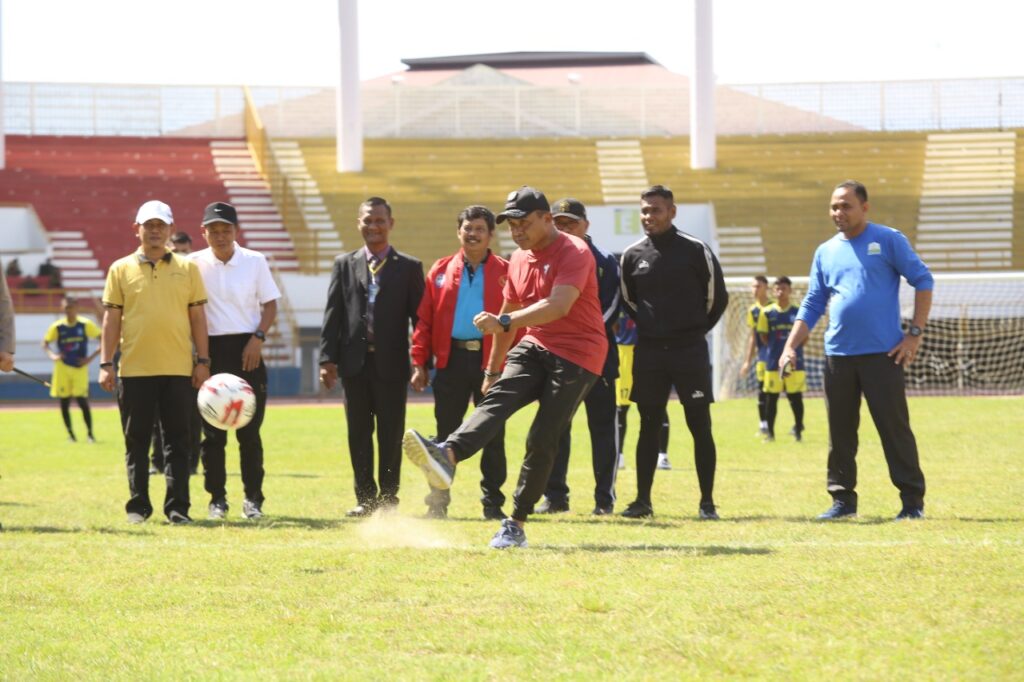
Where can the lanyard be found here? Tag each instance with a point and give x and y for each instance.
(375, 270)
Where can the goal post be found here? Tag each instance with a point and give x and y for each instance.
(973, 344)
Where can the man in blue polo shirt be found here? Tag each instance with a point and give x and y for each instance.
(857, 274)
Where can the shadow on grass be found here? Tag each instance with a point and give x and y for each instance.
(291, 475)
(54, 530)
(15, 504)
(275, 521)
(564, 518)
(696, 550)
(991, 520)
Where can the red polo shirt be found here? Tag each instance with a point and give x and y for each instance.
(579, 337)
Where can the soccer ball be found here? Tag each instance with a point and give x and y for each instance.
(226, 401)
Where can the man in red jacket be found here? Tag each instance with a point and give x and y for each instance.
(458, 287)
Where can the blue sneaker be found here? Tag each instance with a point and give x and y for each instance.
(428, 456)
(510, 535)
(839, 510)
(910, 513)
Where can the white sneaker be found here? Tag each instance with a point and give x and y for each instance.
(663, 462)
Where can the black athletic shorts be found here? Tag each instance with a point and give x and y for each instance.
(659, 367)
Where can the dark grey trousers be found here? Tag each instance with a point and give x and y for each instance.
(531, 373)
(880, 381)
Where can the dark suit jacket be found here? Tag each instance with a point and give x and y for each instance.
(343, 335)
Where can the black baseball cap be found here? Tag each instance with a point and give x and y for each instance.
(220, 212)
(181, 238)
(522, 202)
(569, 207)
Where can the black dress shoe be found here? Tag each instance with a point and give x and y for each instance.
(548, 506)
(603, 511)
(360, 510)
(494, 514)
(436, 513)
(638, 510)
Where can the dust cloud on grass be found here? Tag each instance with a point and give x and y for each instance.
(390, 529)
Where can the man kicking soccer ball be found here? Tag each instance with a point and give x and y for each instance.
(552, 293)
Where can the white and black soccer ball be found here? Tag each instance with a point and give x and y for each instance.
(226, 401)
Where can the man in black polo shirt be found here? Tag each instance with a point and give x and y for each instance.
(673, 287)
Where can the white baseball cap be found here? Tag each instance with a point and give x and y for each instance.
(154, 209)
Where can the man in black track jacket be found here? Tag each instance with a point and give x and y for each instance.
(673, 288)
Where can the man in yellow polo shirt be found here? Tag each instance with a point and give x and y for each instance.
(154, 310)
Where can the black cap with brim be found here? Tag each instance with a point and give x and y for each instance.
(522, 202)
(220, 212)
(569, 208)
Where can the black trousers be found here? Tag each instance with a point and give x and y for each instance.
(601, 420)
(880, 381)
(226, 357)
(531, 373)
(454, 385)
(657, 369)
(369, 401)
(195, 433)
(138, 399)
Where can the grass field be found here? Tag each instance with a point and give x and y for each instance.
(307, 593)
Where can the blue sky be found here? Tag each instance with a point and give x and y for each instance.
(272, 42)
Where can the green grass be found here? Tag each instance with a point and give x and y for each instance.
(765, 593)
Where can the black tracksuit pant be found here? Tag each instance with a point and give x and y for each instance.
(454, 385)
(600, 406)
(226, 357)
(138, 399)
(880, 381)
(531, 373)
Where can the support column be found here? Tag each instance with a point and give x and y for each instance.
(348, 110)
(3, 146)
(702, 90)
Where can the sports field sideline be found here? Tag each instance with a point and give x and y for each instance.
(765, 593)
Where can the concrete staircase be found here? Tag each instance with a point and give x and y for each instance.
(620, 164)
(259, 220)
(741, 251)
(327, 242)
(79, 268)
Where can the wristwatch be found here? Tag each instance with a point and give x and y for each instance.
(505, 320)
(915, 330)
(260, 334)
(203, 361)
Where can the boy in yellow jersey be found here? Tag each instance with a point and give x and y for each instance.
(773, 326)
(759, 289)
(71, 363)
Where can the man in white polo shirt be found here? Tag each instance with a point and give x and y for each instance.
(241, 307)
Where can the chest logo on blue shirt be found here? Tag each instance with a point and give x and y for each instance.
(439, 280)
(874, 249)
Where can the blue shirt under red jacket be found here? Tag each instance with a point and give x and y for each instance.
(432, 336)
(859, 280)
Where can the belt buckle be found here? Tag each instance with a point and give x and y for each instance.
(474, 345)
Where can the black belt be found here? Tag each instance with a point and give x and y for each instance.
(474, 345)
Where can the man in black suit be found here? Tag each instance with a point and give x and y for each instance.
(371, 302)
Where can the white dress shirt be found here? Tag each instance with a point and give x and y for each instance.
(235, 290)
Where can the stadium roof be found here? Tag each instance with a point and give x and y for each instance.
(499, 60)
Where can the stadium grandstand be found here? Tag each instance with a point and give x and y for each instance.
(942, 159)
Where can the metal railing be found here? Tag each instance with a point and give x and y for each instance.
(489, 111)
(283, 189)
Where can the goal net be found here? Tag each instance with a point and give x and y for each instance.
(974, 342)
